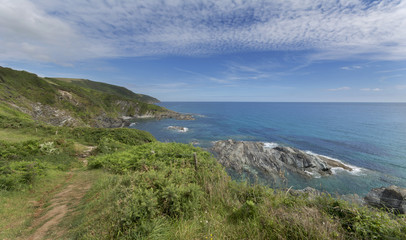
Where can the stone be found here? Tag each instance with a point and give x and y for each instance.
(393, 198)
(274, 160)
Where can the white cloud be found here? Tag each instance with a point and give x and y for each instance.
(29, 33)
(371, 89)
(339, 89)
(69, 30)
(351, 67)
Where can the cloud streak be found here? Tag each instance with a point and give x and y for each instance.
(339, 89)
(371, 89)
(74, 30)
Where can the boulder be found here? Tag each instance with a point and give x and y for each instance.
(392, 198)
(272, 159)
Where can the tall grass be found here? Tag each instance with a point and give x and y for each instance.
(155, 191)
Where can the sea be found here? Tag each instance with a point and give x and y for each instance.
(370, 137)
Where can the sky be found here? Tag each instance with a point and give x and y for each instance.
(215, 50)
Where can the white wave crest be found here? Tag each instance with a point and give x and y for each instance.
(270, 145)
(355, 170)
(315, 175)
(179, 129)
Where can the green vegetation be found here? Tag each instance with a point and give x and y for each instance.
(108, 88)
(141, 188)
(155, 191)
(84, 100)
(144, 189)
(28, 149)
(35, 160)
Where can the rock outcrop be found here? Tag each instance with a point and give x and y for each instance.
(274, 160)
(392, 198)
(174, 115)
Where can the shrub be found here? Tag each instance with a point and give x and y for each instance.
(18, 174)
(247, 211)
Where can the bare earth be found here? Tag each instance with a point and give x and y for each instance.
(60, 204)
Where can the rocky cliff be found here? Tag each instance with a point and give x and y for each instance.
(77, 102)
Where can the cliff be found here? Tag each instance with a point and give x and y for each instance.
(76, 102)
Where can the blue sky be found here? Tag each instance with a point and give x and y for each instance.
(216, 50)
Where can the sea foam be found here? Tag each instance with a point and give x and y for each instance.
(270, 145)
(179, 129)
(355, 170)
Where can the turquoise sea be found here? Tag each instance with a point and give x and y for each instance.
(368, 136)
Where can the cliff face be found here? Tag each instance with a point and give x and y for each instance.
(76, 102)
(249, 157)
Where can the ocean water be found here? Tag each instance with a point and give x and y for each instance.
(369, 136)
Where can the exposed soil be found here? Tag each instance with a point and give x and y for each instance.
(47, 218)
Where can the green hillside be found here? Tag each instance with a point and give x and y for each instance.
(109, 89)
(75, 182)
(72, 102)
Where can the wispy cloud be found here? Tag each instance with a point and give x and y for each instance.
(162, 88)
(390, 77)
(392, 70)
(339, 89)
(351, 67)
(371, 89)
(204, 76)
(71, 30)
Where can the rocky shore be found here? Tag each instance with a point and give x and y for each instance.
(273, 160)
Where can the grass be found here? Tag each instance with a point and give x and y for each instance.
(144, 189)
(17, 208)
(83, 99)
(28, 149)
(34, 162)
(155, 191)
(13, 136)
(107, 88)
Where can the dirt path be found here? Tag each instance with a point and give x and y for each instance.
(61, 204)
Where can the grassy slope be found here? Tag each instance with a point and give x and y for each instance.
(155, 192)
(91, 99)
(110, 89)
(35, 159)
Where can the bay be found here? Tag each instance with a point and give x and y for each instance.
(369, 136)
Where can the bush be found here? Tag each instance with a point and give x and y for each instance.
(109, 145)
(22, 162)
(362, 222)
(18, 174)
(247, 211)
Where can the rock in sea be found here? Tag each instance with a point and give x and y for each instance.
(246, 156)
(178, 128)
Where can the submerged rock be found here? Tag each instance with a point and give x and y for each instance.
(393, 198)
(178, 128)
(274, 160)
